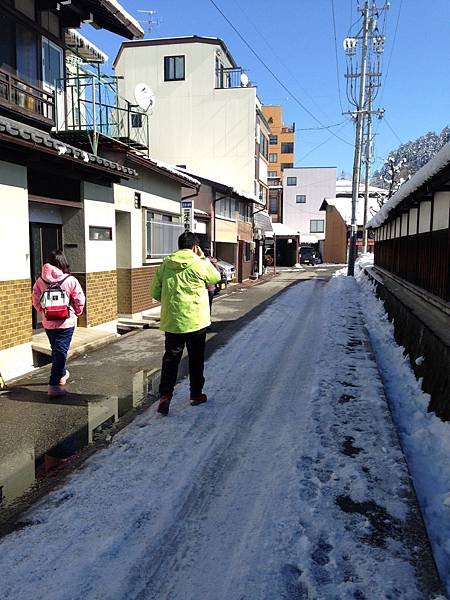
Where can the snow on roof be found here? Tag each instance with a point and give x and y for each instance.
(433, 167)
(344, 206)
(200, 213)
(84, 47)
(282, 229)
(345, 186)
(233, 189)
(130, 22)
(172, 169)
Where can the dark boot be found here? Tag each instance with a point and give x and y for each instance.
(164, 403)
(198, 399)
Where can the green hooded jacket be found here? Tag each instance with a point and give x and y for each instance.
(180, 285)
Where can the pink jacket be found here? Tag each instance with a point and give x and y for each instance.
(71, 286)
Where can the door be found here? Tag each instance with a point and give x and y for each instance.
(52, 77)
(43, 239)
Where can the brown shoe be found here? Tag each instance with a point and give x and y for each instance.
(164, 403)
(199, 399)
(56, 390)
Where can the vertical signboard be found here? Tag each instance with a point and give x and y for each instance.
(187, 214)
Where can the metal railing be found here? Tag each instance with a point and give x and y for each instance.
(28, 99)
(231, 78)
(93, 105)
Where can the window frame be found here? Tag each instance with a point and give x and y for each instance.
(289, 183)
(271, 155)
(166, 63)
(297, 196)
(271, 140)
(291, 147)
(311, 230)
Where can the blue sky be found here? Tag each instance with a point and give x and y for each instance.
(296, 40)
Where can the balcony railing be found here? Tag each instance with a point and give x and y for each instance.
(29, 100)
(231, 78)
(291, 129)
(93, 106)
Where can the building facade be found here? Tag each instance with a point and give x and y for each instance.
(304, 189)
(56, 195)
(205, 113)
(281, 156)
(412, 273)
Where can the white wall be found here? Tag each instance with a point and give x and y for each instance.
(14, 238)
(210, 131)
(441, 210)
(317, 183)
(99, 211)
(164, 197)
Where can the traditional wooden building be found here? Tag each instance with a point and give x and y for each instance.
(412, 271)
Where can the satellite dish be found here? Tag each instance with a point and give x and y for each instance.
(244, 80)
(144, 96)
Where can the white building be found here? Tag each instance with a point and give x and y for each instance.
(205, 117)
(304, 189)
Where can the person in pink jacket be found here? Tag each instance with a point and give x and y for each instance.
(60, 331)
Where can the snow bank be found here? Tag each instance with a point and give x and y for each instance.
(424, 437)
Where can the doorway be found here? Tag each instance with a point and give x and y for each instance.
(44, 238)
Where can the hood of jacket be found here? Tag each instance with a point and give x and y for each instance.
(52, 274)
(180, 260)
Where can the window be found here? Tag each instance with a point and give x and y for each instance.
(286, 166)
(100, 233)
(136, 120)
(225, 207)
(243, 211)
(263, 145)
(273, 157)
(300, 199)
(287, 148)
(272, 174)
(273, 202)
(316, 226)
(246, 253)
(173, 68)
(162, 233)
(292, 181)
(273, 140)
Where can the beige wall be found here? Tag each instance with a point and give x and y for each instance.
(226, 231)
(211, 131)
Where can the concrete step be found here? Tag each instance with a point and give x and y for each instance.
(134, 323)
(84, 340)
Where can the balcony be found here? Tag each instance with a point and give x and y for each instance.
(34, 104)
(93, 109)
(231, 78)
(274, 182)
(291, 129)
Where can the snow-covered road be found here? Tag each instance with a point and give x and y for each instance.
(288, 483)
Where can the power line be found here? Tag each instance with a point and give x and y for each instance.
(336, 54)
(318, 128)
(390, 127)
(276, 76)
(321, 144)
(280, 60)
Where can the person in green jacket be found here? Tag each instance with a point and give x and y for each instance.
(180, 285)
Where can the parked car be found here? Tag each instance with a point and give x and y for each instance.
(229, 269)
(309, 256)
(223, 280)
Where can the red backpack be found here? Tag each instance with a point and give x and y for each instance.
(55, 301)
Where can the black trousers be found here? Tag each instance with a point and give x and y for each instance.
(195, 344)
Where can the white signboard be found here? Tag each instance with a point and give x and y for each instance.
(187, 215)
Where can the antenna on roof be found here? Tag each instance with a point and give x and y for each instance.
(151, 22)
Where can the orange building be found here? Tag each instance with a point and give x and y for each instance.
(281, 156)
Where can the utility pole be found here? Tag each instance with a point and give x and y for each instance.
(365, 71)
(367, 162)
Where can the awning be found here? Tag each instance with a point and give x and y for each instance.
(263, 222)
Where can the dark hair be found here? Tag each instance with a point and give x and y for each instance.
(187, 240)
(206, 251)
(58, 259)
